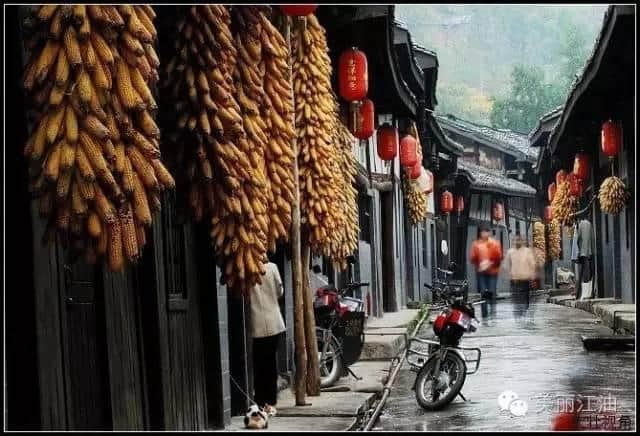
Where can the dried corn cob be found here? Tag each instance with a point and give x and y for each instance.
(83, 64)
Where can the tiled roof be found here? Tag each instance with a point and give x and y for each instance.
(555, 113)
(505, 140)
(489, 180)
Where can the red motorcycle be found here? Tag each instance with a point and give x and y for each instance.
(339, 331)
(441, 376)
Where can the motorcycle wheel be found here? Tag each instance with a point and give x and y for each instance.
(331, 365)
(453, 369)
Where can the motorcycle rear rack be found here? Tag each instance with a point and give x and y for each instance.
(417, 367)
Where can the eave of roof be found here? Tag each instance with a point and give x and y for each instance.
(546, 123)
(590, 69)
(504, 140)
(484, 179)
(446, 142)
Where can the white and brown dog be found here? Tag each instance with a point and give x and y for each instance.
(256, 418)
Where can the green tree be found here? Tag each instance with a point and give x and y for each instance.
(529, 97)
(573, 53)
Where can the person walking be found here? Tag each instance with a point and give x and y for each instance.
(521, 264)
(267, 325)
(486, 255)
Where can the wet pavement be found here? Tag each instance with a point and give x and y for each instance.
(538, 354)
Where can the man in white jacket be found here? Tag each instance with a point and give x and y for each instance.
(521, 264)
(266, 326)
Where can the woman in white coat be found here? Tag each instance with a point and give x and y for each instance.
(266, 326)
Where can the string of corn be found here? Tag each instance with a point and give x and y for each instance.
(94, 157)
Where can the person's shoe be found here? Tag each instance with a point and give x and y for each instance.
(270, 410)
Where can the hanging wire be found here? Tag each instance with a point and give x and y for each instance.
(242, 391)
(580, 212)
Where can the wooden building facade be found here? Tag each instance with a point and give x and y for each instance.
(604, 91)
(496, 166)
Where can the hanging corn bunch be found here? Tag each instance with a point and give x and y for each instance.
(216, 83)
(539, 244)
(344, 208)
(316, 111)
(416, 200)
(277, 112)
(94, 153)
(564, 204)
(613, 195)
(205, 118)
(555, 242)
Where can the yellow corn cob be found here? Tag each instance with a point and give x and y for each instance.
(78, 204)
(129, 237)
(83, 165)
(143, 168)
(140, 202)
(52, 167)
(116, 260)
(62, 69)
(72, 47)
(85, 187)
(93, 153)
(64, 182)
(47, 57)
(54, 124)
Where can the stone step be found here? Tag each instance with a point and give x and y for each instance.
(379, 347)
(609, 342)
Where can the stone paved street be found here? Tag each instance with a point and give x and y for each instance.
(540, 357)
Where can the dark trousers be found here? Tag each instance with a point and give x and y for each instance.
(265, 370)
(520, 291)
(487, 284)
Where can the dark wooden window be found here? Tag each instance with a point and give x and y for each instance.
(173, 230)
(365, 219)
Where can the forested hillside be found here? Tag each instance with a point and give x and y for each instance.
(493, 55)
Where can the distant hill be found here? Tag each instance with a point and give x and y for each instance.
(478, 45)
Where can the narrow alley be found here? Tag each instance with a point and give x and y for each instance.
(541, 358)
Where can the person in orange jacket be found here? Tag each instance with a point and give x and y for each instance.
(486, 255)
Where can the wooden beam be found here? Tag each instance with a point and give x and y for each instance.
(298, 289)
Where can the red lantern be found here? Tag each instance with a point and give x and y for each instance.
(408, 151)
(498, 211)
(459, 204)
(387, 142)
(551, 191)
(548, 214)
(446, 202)
(429, 182)
(575, 185)
(611, 138)
(416, 170)
(560, 177)
(298, 10)
(353, 80)
(366, 116)
(581, 166)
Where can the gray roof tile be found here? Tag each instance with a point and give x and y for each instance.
(486, 179)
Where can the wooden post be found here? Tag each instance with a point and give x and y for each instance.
(298, 289)
(313, 368)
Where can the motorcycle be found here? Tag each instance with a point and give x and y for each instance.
(441, 376)
(339, 331)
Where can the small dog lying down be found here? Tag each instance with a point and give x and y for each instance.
(256, 418)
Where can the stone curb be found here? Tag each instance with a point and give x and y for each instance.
(603, 308)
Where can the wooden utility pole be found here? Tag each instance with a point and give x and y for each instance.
(298, 288)
(313, 368)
